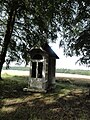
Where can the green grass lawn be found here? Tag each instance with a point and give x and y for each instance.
(68, 101)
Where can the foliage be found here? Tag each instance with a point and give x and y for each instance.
(34, 24)
(25, 23)
(67, 101)
(77, 32)
(82, 46)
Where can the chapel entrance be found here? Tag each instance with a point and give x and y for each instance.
(37, 71)
(42, 68)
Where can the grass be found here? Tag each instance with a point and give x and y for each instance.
(68, 101)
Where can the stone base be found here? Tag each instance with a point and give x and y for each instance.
(34, 90)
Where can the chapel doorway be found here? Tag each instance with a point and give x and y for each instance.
(37, 71)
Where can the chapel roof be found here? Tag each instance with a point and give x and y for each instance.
(47, 49)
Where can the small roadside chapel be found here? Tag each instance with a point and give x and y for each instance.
(42, 69)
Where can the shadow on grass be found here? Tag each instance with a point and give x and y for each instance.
(43, 109)
(66, 102)
(12, 86)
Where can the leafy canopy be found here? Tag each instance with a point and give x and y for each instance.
(38, 21)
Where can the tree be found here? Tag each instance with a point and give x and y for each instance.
(77, 36)
(29, 22)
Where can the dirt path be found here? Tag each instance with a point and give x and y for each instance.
(72, 76)
(15, 72)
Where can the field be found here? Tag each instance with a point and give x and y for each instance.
(68, 101)
(80, 72)
(17, 68)
(77, 71)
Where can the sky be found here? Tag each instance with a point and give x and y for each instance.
(66, 62)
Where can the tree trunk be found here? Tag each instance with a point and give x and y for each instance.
(10, 25)
(0, 71)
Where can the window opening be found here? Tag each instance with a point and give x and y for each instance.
(40, 69)
(37, 68)
(34, 69)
